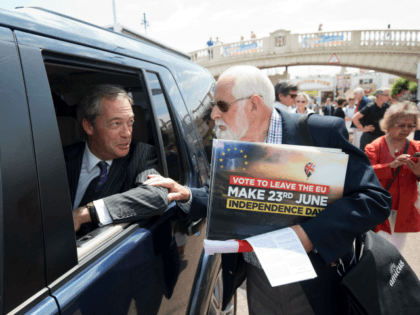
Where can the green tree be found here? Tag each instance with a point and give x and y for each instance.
(403, 84)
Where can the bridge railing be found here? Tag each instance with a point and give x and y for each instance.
(282, 42)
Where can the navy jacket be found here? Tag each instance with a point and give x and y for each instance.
(364, 205)
(363, 102)
(328, 108)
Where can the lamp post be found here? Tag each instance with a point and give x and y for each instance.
(145, 23)
(114, 11)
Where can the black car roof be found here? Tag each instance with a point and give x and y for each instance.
(55, 25)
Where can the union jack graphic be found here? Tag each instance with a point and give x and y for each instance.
(309, 169)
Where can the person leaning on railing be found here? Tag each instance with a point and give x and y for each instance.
(386, 154)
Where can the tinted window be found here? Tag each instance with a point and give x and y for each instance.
(171, 148)
(197, 87)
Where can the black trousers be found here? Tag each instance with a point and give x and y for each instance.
(366, 138)
(320, 296)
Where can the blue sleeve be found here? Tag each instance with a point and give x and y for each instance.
(364, 204)
(200, 197)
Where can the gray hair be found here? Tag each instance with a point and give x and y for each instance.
(396, 111)
(284, 87)
(304, 95)
(380, 91)
(248, 81)
(90, 105)
(372, 98)
(359, 90)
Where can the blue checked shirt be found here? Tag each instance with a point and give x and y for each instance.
(274, 135)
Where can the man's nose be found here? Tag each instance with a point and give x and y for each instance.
(126, 131)
(215, 113)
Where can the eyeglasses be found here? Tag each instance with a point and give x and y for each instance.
(293, 95)
(301, 101)
(403, 126)
(351, 99)
(224, 106)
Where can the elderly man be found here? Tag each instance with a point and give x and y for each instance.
(285, 93)
(106, 173)
(372, 114)
(361, 101)
(244, 111)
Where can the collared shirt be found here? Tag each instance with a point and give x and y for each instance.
(274, 136)
(282, 106)
(349, 111)
(307, 111)
(88, 172)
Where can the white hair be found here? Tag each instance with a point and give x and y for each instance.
(372, 98)
(250, 80)
(304, 95)
(359, 90)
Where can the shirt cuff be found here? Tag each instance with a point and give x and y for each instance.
(185, 206)
(103, 213)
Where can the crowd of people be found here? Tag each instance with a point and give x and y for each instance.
(380, 127)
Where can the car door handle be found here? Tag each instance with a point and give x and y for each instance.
(195, 226)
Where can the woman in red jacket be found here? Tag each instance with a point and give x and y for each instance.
(386, 155)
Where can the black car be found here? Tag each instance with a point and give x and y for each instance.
(155, 266)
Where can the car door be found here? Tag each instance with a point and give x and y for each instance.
(147, 267)
(22, 267)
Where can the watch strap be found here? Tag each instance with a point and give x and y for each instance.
(93, 213)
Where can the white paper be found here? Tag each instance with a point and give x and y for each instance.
(282, 257)
(213, 247)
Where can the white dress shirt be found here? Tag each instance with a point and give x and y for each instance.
(88, 172)
(289, 109)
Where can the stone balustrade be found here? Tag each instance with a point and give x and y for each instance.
(283, 43)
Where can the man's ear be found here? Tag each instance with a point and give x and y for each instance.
(87, 126)
(280, 96)
(256, 104)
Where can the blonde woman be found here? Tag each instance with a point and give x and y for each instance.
(302, 100)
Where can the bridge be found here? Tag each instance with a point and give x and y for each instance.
(391, 51)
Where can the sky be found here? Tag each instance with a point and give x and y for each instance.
(187, 25)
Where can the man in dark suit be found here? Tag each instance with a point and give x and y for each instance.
(328, 109)
(106, 173)
(328, 237)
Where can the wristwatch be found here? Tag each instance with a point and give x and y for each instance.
(93, 215)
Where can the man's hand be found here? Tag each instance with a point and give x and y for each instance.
(369, 128)
(177, 192)
(80, 215)
(303, 237)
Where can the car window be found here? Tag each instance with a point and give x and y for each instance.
(198, 87)
(166, 127)
(68, 83)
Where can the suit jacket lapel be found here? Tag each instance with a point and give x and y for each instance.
(116, 176)
(289, 128)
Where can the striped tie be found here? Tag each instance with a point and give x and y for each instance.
(92, 193)
(95, 186)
